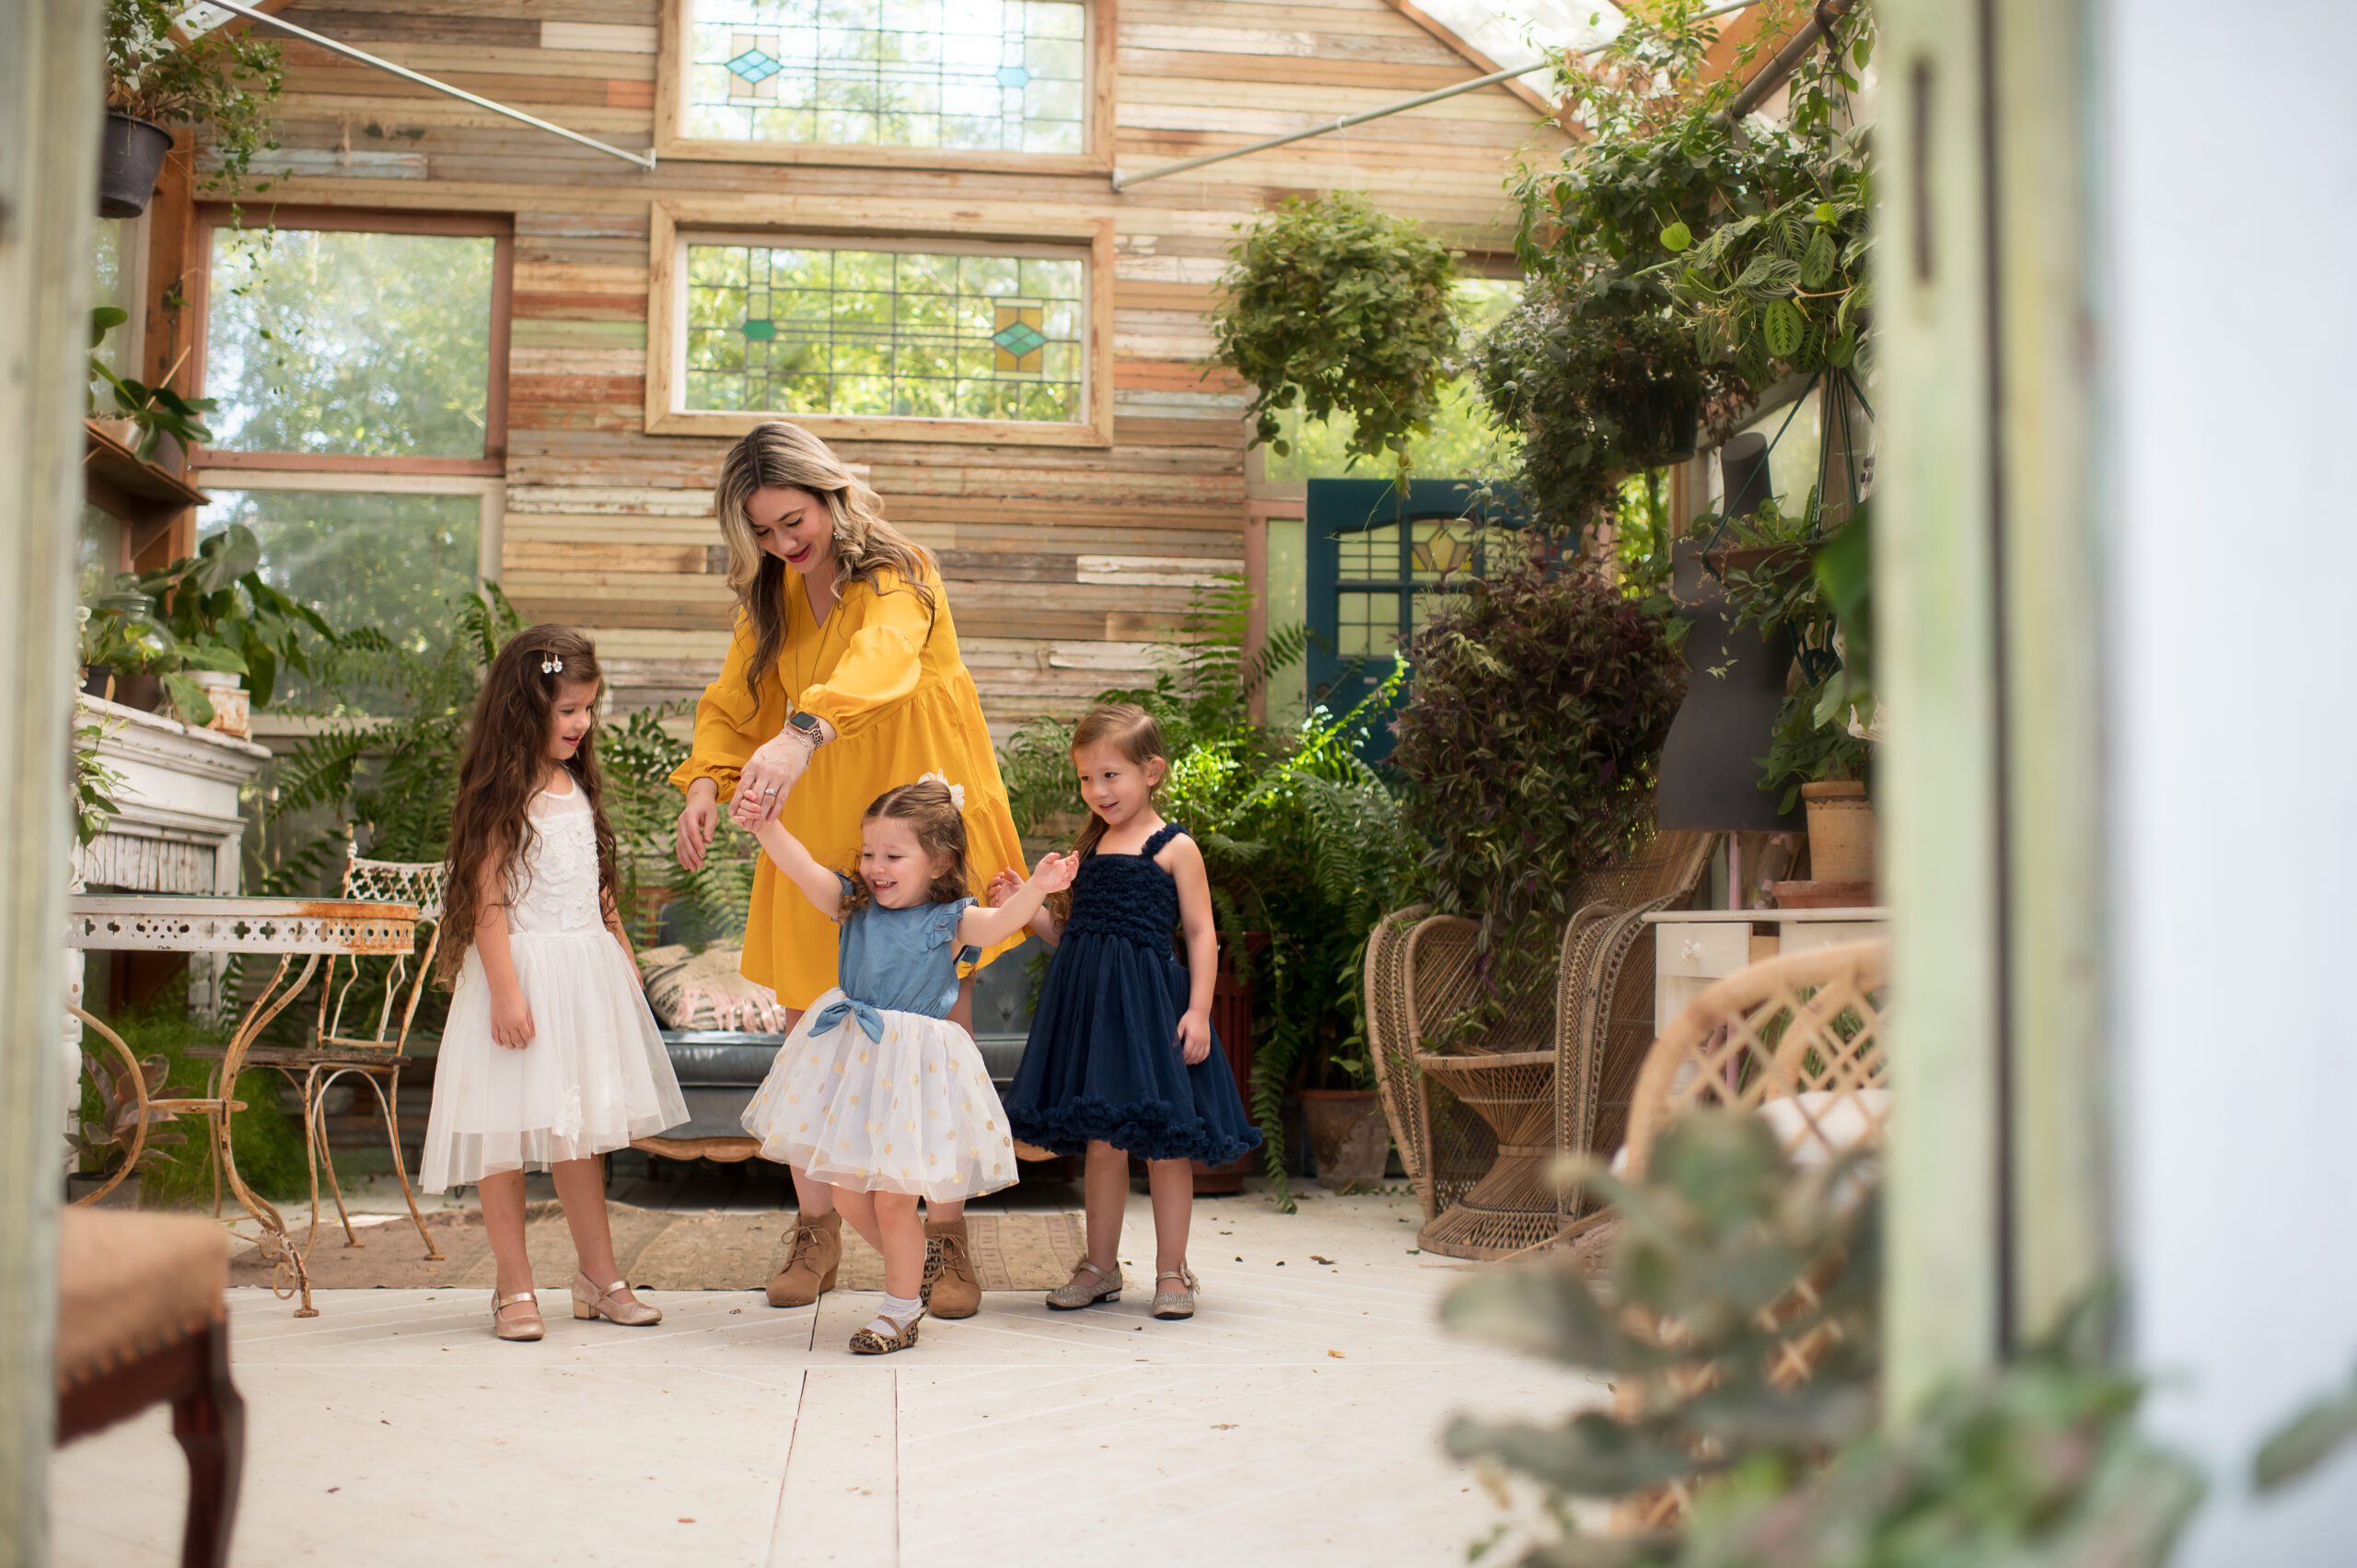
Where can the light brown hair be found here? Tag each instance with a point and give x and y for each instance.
(501, 770)
(931, 814)
(777, 456)
(1131, 731)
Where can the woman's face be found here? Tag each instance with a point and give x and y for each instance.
(793, 524)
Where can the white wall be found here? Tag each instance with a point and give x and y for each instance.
(2231, 338)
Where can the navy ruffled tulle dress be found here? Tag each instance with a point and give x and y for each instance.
(1103, 1060)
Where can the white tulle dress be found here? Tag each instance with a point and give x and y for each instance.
(595, 1074)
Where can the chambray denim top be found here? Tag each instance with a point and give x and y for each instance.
(902, 961)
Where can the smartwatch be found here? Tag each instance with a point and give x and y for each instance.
(805, 725)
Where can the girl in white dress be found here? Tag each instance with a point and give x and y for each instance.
(875, 1092)
(550, 1058)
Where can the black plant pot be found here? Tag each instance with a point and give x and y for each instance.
(1735, 684)
(131, 156)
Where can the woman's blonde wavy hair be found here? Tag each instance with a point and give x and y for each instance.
(777, 456)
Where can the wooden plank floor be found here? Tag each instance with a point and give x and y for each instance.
(1295, 1418)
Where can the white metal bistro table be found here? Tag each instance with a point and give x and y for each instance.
(308, 929)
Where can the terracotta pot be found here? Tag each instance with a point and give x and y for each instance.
(145, 693)
(1841, 830)
(1348, 1138)
(131, 156)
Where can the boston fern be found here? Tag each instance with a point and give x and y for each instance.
(1333, 304)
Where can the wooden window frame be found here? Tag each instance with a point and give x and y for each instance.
(675, 223)
(672, 141)
(497, 227)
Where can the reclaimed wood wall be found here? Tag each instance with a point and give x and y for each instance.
(1065, 565)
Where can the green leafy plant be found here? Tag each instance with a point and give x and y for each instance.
(164, 1033)
(1304, 842)
(102, 1133)
(94, 782)
(220, 81)
(157, 411)
(2039, 1463)
(1332, 306)
(224, 616)
(1527, 743)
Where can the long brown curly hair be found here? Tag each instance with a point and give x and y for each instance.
(777, 456)
(1131, 731)
(504, 767)
(931, 814)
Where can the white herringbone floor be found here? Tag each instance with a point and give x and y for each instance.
(1295, 1420)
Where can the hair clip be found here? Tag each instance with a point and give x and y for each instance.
(552, 664)
(956, 792)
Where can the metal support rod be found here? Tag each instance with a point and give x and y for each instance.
(644, 160)
(1123, 181)
(1771, 75)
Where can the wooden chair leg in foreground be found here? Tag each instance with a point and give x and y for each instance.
(142, 1321)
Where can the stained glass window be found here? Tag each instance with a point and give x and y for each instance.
(972, 75)
(785, 326)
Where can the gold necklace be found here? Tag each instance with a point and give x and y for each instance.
(818, 630)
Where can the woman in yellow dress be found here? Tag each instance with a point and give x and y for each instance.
(843, 681)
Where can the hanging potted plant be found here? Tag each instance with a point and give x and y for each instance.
(220, 82)
(1332, 306)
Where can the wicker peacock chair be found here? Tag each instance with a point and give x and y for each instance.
(1479, 1123)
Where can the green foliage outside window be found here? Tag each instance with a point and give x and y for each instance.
(350, 342)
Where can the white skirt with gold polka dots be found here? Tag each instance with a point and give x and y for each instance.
(911, 1113)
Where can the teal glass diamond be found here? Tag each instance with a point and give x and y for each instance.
(1021, 339)
(1013, 77)
(755, 67)
(761, 331)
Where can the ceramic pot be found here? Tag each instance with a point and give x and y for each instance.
(1348, 1138)
(131, 156)
(232, 708)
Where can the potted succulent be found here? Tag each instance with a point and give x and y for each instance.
(107, 1135)
(220, 81)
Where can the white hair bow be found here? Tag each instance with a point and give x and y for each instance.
(956, 792)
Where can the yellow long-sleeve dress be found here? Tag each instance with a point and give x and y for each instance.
(887, 674)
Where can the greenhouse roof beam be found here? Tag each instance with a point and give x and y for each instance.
(1123, 181)
(644, 160)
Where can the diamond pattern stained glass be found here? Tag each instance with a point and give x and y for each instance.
(803, 328)
(968, 75)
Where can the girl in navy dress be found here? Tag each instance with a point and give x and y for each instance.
(1121, 1058)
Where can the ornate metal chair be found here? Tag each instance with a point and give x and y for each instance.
(1478, 1124)
(362, 1027)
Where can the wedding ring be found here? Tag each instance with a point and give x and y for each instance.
(770, 790)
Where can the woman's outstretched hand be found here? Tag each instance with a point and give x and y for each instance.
(1003, 886)
(770, 775)
(698, 822)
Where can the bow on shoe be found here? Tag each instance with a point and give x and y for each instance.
(834, 1013)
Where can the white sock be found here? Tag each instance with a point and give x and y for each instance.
(897, 1313)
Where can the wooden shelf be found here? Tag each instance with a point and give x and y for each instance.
(144, 497)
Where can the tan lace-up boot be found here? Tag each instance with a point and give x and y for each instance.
(811, 1261)
(951, 1289)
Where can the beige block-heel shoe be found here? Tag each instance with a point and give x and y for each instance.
(1076, 1292)
(613, 1303)
(524, 1325)
(1179, 1303)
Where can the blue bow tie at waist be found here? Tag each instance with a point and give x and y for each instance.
(834, 1013)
